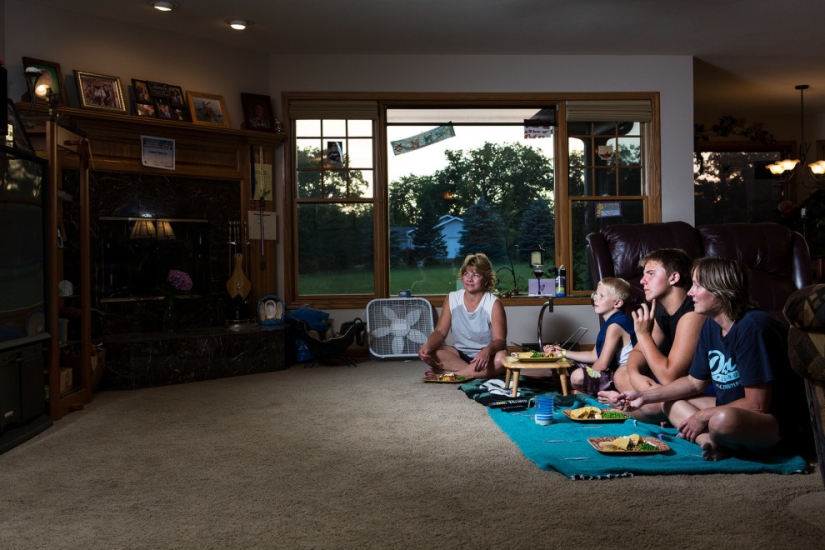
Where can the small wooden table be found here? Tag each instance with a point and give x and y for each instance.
(513, 368)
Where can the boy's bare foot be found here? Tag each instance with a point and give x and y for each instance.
(609, 397)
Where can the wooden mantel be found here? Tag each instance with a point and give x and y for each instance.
(200, 151)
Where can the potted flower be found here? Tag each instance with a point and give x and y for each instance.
(177, 283)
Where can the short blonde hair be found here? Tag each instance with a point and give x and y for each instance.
(483, 267)
(618, 287)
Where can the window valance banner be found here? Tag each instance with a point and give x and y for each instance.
(333, 109)
(609, 110)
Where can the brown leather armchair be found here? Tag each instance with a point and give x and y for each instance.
(777, 257)
(805, 311)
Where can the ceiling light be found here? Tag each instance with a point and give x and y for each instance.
(238, 24)
(786, 169)
(164, 6)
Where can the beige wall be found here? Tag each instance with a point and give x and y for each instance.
(97, 45)
(116, 49)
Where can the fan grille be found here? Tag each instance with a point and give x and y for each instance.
(398, 326)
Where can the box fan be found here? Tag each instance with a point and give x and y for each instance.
(398, 326)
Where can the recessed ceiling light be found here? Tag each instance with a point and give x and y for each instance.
(239, 24)
(164, 6)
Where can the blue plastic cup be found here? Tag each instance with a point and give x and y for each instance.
(543, 409)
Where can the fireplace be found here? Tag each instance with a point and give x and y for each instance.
(128, 263)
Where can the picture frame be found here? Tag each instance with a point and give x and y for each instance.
(158, 89)
(163, 109)
(257, 113)
(176, 97)
(207, 109)
(99, 91)
(145, 109)
(181, 115)
(51, 76)
(141, 89)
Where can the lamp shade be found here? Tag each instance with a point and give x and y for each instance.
(536, 256)
(143, 229)
(165, 232)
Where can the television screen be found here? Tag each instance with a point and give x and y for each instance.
(22, 246)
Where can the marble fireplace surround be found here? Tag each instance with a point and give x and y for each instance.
(126, 194)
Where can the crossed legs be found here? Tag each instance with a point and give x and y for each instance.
(447, 360)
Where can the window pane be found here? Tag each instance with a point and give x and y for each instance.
(587, 219)
(308, 153)
(630, 181)
(577, 145)
(360, 128)
(335, 249)
(735, 186)
(309, 185)
(360, 153)
(307, 128)
(361, 183)
(605, 182)
(335, 184)
(630, 152)
(578, 128)
(335, 128)
(575, 181)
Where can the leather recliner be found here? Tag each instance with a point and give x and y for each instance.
(777, 257)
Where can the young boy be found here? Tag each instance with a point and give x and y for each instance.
(614, 342)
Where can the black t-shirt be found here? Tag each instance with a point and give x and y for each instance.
(668, 323)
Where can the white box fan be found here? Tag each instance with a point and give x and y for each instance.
(398, 326)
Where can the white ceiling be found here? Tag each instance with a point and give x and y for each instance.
(749, 54)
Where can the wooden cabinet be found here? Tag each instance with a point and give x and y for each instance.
(70, 386)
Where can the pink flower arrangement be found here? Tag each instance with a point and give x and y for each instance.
(179, 280)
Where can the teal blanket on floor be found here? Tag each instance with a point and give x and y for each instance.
(562, 446)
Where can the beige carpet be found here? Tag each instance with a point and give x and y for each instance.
(365, 457)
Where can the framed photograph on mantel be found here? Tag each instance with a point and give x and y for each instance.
(99, 91)
(257, 113)
(50, 77)
(207, 109)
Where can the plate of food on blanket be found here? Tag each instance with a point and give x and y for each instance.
(595, 414)
(632, 444)
(538, 357)
(446, 378)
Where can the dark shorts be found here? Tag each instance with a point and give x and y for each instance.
(464, 357)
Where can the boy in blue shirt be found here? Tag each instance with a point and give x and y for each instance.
(614, 342)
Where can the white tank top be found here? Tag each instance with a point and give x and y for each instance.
(471, 331)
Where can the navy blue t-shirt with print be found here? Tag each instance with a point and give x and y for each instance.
(751, 353)
(755, 351)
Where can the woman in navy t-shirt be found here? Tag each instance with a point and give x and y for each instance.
(742, 351)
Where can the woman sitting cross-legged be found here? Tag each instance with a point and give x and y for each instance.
(742, 351)
(478, 323)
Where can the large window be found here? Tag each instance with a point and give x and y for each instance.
(391, 194)
(463, 181)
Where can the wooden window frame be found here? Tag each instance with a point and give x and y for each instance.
(652, 182)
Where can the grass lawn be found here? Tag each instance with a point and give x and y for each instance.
(430, 280)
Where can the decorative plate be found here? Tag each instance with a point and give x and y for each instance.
(624, 417)
(604, 445)
(444, 379)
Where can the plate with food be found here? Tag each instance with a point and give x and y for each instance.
(632, 444)
(538, 357)
(447, 378)
(595, 414)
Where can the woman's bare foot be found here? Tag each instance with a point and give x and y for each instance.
(713, 453)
